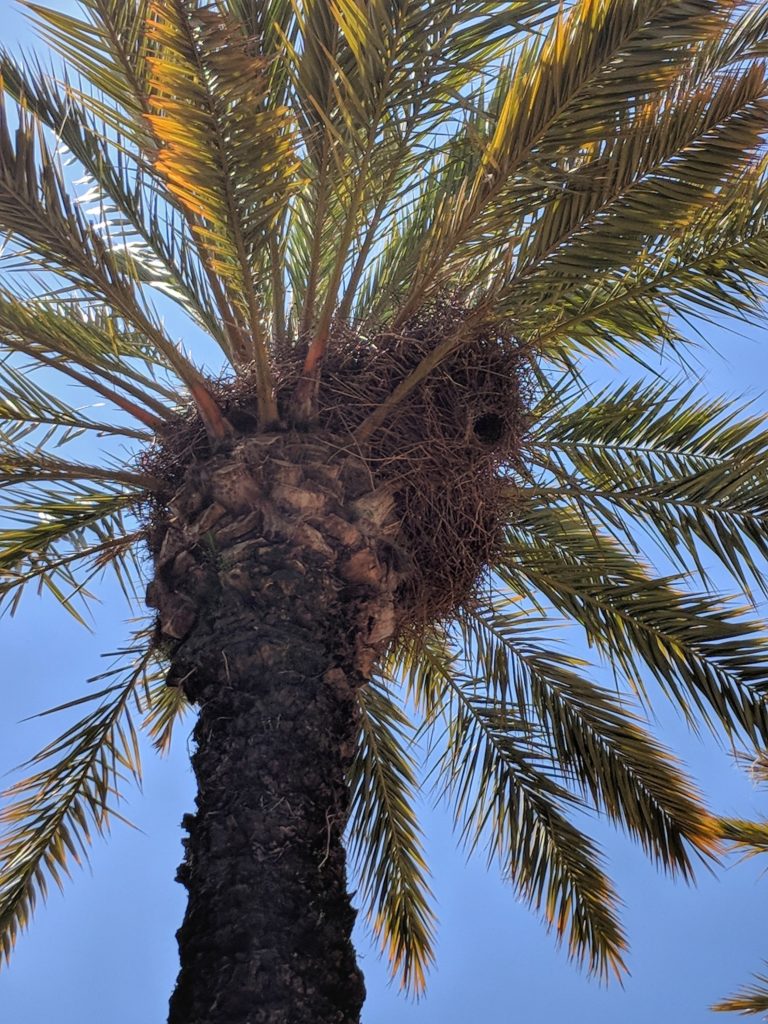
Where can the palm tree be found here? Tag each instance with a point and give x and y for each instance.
(410, 229)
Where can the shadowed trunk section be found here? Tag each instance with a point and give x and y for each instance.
(275, 591)
(266, 937)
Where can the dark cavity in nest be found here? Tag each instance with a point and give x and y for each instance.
(448, 450)
(489, 428)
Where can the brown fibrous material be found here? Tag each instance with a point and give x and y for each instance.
(446, 452)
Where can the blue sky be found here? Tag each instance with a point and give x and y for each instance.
(105, 950)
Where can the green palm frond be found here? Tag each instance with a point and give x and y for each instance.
(19, 467)
(28, 410)
(268, 23)
(139, 222)
(165, 707)
(89, 334)
(161, 173)
(683, 146)
(524, 737)
(594, 738)
(598, 59)
(60, 539)
(711, 269)
(654, 178)
(748, 838)
(678, 152)
(109, 49)
(385, 840)
(37, 213)
(707, 657)
(693, 471)
(368, 91)
(72, 793)
(497, 775)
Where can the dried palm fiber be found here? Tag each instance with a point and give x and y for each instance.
(442, 455)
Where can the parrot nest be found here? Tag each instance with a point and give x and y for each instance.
(448, 450)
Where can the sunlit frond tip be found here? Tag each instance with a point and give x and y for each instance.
(748, 838)
(385, 838)
(505, 801)
(752, 999)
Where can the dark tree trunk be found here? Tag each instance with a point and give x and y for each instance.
(266, 936)
(275, 590)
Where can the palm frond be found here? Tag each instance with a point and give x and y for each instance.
(60, 539)
(650, 181)
(384, 91)
(136, 219)
(710, 269)
(37, 212)
(164, 708)
(497, 777)
(52, 815)
(90, 345)
(267, 23)
(749, 837)
(598, 59)
(692, 471)
(385, 841)
(595, 739)
(26, 409)
(24, 467)
(119, 56)
(372, 85)
(707, 657)
(109, 49)
(746, 37)
(752, 999)
(225, 155)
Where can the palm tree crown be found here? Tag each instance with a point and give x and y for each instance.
(413, 226)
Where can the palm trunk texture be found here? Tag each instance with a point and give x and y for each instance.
(275, 590)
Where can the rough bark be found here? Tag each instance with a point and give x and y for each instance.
(276, 589)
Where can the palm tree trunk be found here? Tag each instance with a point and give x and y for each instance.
(266, 935)
(275, 593)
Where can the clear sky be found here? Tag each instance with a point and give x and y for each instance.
(105, 950)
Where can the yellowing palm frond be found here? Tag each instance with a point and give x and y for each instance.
(752, 999)
(224, 154)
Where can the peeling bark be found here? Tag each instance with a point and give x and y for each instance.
(275, 585)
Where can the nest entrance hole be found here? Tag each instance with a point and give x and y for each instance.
(489, 428)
